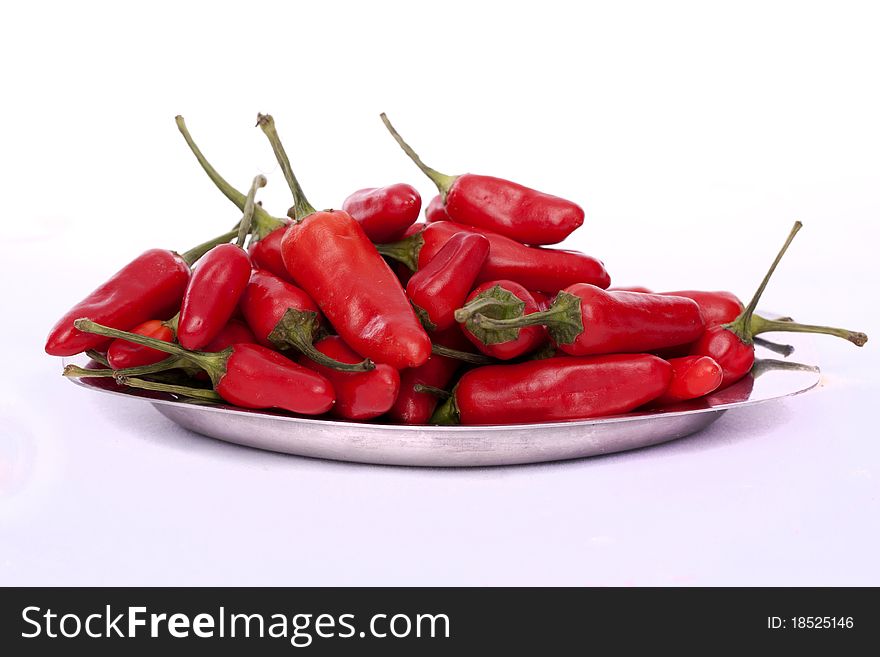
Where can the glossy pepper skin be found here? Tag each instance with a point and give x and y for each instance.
(413, 407)
(585, 320)
(692, 377)
(716, 307)
(265, 301)
(503, 345)
(150, 286)
(212, 295)
(359, 395)
(330, 257)
(556, 389)
(439, 288)
(235, 332)
(518, 212)
(266, 254)
(123, 354)
(384, 212)
(548, 270)
(436, 210)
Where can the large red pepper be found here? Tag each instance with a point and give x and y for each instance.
(523, 214)
(555, 389)
(217, 285)
(246, 375)
(359, 395)
(501, 300)
(732, 344)
(585, 320)
(440, 287)
(282, 316)
(330, 257)
(150, 286)
(692, 377)
(548, 270)
(436, 211)
(384, 212)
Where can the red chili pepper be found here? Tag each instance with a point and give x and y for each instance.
(440, 287)
(631, 288)
(416, 406)
(500, 300)
(716, 307)
(266, 254)
(246, 375)
(585, 320)
(217, 285)
(384, 212)
(523, 214)
(330, 257)
(282, 316)
(732, 344)
(235, 332)
(436, 210)
(548, 270)
(150, 286)
(359, 395)
(543, 300)
(692, 377)
(555, 389)
(123, 354)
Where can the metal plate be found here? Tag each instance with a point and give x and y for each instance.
(477, 445)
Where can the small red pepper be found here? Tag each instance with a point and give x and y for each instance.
(384, 212)
(440, 287)
(217, 285)
(732, 344)
(266, 254)
(415, 406)
(555, 390)
(235, 332)
(501, 300)
(692, 377)
(152, 285)
(436, 210)
(330, 257)
(543, 300)
(359, 395)
(246, 375)
(548, 270)
(123, 354)
(585, 320)
(716, 307)
(522, 214)
(282, 316)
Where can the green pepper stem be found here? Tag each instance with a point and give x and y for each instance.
(474, 359)
(247, 217)
(170, 363)
(98, 358)
(191, 256)
(550, 317)
(785, 350)
(183, 391)
(742, 325)
(431, 390)
(447, 412)
(467, 311)
(761, 325)
(443, 181)
(213, 363)
(406, 251)
(264, 222)
(301, 206)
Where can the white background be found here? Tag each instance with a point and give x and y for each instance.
(692, 133)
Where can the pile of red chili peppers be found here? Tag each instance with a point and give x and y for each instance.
(365, 313)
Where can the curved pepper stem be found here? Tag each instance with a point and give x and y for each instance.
(432, 390)
(101, 359)
(297, 330)
(213, 363)
(191, 256)
(443, 181)
(183, 391)
(563, 320)
(301, 206)
(748, 325)
(170, 363)
(264, 222)
(465, 357)
(247, 217)
(470, 309)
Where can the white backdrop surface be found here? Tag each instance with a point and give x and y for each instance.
(692, 133)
